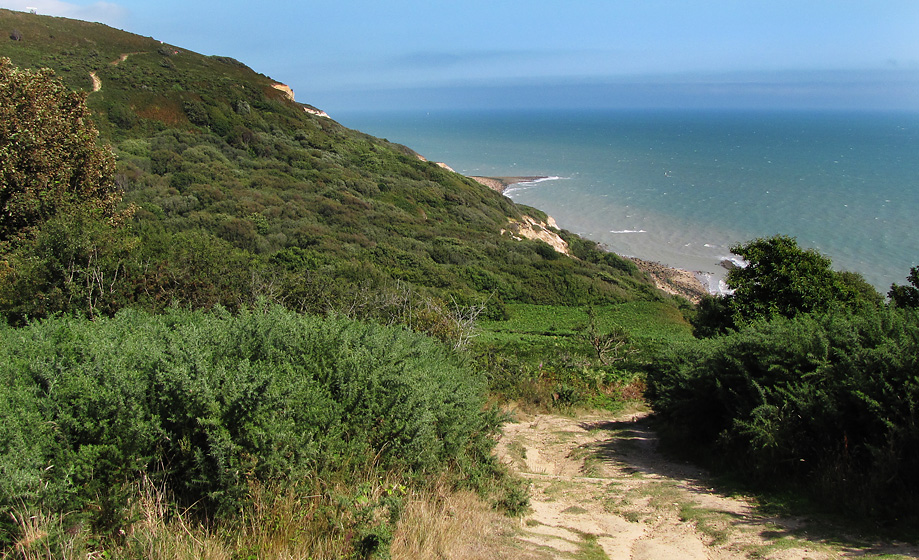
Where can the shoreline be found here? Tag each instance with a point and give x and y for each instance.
(674, 281)
(668, 279)
(501, 184)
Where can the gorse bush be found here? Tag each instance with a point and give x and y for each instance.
(206, 405)
(824, 402)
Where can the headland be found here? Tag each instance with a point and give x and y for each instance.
(501, 184)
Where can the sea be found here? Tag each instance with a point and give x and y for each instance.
(682, 187)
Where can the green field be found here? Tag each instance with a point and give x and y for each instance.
(544, 355)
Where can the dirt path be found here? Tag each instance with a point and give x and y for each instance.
(97, 82)
(120, 59)
(599, 489)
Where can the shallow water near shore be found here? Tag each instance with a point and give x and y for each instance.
(681, 187)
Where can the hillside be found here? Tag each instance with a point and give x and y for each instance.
(199, 357)
(241, 193)
(218, 354)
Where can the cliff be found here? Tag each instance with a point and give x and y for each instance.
(529, 227)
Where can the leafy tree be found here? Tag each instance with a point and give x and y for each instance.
(782, 280)
(49, 157)
(906, 296)
(779, 279)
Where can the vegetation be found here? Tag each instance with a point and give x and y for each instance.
(209, 408)
(781, 280)
(48, 153)
(255, 326)
(182, 363)
(562, 356)
(906, 296)
(814, 389)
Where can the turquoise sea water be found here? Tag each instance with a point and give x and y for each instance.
(682, 187)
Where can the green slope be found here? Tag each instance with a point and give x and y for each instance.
(241, 193)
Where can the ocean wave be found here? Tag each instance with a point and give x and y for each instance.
(525, 185)
(628, 231)
(540, 180)
(714, 283)
(735, 260)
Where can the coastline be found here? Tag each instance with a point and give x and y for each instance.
(670, 280)
(674, 281)
(500, 184)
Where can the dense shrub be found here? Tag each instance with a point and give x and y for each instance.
(827, 402)
(206, 404)
(74, 263)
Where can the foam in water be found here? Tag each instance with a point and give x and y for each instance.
(523, 185)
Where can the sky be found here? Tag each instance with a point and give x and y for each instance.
(361, 55)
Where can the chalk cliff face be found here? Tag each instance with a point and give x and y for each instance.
(286, 89)
(315, 111)
(437, 163)
(531, 228)
(290, 95)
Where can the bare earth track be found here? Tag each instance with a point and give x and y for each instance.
(599, 489)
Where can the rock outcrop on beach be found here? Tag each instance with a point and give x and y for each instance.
(674, 281)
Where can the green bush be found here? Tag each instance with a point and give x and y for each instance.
(207, 403)
(827, 403)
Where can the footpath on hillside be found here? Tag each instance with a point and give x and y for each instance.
(600, 489)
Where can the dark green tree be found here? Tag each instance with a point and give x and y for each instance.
(782, 279)
(906, 296)
(49, 157)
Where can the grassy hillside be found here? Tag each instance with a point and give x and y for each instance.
(240, 193)
(242, 202)
(206, 385)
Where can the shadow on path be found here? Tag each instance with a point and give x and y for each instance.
(632, 447)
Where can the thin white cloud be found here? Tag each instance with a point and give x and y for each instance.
(102, 12)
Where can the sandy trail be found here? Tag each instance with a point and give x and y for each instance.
(599, 487)
(97, 82)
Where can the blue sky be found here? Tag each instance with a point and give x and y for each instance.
(347, 55)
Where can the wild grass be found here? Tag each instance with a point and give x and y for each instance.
(440, 522)
(590, 549)
(434, 521)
